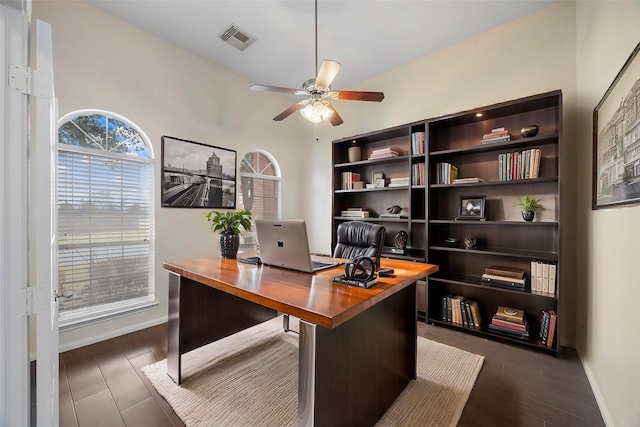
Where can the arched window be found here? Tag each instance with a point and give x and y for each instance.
(105, 216)
(260, 188)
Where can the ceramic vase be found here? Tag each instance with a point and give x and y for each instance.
(229, 244)
(528, 215)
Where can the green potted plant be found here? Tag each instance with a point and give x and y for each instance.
(529, 205)
(230, 225)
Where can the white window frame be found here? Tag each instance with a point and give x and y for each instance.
(250, 237)
(92, 314)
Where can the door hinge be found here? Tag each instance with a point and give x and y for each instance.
(28, 81)
(28, 301)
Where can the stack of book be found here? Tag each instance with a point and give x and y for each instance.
(461, 310)
(504, 277)
(496, 135)
(510, 322)
(543, 278)
(382, 153)
(399, 182)
(519, 165)
(349, 180)
(467, 180)
(355, 213)
(446, 173)
(417, 143)
(548, 327)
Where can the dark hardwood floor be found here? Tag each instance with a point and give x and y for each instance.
(102, 384)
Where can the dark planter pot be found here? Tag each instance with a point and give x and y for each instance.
(229, 243)
(528, 215)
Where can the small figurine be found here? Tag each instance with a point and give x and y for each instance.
(395, 209)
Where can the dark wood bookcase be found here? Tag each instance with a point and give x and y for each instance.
(429, 211)
(503, 238)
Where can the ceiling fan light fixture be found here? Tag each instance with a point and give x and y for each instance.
(316, 111)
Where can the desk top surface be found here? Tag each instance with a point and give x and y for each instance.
(312, 297)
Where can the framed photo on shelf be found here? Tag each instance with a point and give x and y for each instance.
(471, 207)
(616, 140)
(196, 175)
(377, 178)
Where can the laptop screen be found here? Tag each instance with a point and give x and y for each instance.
(284, 243)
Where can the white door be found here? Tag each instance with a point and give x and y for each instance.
(43, 226)
(28, 244)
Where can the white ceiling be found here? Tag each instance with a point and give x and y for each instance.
(367, 37)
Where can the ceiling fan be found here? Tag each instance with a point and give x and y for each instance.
(316, 107)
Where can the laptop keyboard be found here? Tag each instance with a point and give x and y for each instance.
(319, 264)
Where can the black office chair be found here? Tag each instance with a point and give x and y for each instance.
(357, 238)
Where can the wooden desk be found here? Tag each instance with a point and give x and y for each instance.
(357, 347)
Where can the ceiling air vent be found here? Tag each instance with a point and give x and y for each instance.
(237, 37)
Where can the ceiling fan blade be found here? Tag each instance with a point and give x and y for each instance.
(327, 73)
(295, 107)
(350, 95)
(278, 89)
(335, 118)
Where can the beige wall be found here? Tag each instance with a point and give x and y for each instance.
(608, 255)
(103, 62)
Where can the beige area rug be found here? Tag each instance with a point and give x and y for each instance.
(251, 379)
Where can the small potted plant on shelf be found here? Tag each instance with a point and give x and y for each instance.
(529, 205)
(230, 225)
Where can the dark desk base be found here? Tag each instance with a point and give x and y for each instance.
(200, 314)
(347, 376)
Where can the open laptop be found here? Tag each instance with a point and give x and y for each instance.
(284, 243)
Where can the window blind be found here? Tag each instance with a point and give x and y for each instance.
(105, 233)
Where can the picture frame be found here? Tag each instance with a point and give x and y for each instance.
(616, 140)
(471, 208)
(377, 179)
(197, 175)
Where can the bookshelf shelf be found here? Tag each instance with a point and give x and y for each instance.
(504, 238)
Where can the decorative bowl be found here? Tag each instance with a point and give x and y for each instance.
(452, 242)
(529, 131)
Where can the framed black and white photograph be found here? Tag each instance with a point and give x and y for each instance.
(471, 207)
(377, 178)
(616, 139)
(197, 175)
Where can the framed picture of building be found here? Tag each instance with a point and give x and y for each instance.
(616, 139)
(197, 175)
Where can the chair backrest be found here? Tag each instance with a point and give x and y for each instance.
(357, 238)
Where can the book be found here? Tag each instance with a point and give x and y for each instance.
(509, 332)
(355, 214)
(355, 282)
(348, 180)
(475, 313)
(510, 314)
(495, 134)
(544, 327)
(503, 282)
(536, 163)
(467, 180)
(496, 139)
(552, 278)
(545, 278)
(498, 270)
(533, 275)
(511, 325)
(552, 328)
